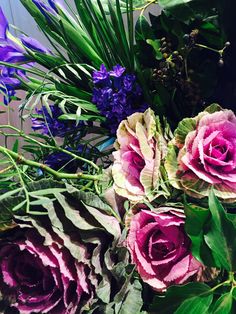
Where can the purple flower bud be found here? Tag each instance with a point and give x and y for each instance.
(33, 44)
(3, 26)
(44, 8)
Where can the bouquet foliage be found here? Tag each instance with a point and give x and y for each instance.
(121, 200)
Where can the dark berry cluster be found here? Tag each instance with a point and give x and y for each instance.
(190, 39)
(170, 69)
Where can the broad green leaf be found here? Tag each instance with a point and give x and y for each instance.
(220, 237)
(196, 218)
(186, 10)
(143, 30)
(175, 295)
(83, 117)
(198, 304)
(223, 305)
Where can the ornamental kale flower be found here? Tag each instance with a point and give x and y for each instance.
(137, 161)
(49, 124)
(38, 274)
(203, 155)
(56, 263)
(13, 51)
(160, 248)
(117, 95)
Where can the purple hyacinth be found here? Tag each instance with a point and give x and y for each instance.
(117, 95)
(50, 124)
(13, 52)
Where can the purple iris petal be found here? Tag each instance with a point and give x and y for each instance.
(11, 52)
(54, 3)
(33, 44)
(43, 7)
(3, 26)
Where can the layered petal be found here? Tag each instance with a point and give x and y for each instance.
(160, 248)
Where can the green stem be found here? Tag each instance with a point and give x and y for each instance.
(8, 153)
(209, 48)
(225, 283)
(13, 65)
(131, 30)
(142, 9)
(59, 175)
(22, 134)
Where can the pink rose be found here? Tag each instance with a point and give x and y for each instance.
(140, 149)
(160, 248)
(206, 155)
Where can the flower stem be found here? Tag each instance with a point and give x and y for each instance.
(55, 148)
(220, 52)
(143, 8)
(59, 175)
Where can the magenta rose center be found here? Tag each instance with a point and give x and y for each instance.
(133, 163)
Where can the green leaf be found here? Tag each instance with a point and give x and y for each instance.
(104, 289)
(143, 30)
(133, 301)
(184, 127)
(223, 305)
(186, 10)
(175, 295)
(83, 117)
(220, 237)
(196, 218)
(156, 46)
(198, 304)
(73, 91)
(15, 146)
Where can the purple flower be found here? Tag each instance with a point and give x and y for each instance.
(38, 274)
(3, 26)
(44, 8)
(33, 44)
(117, 95)
(13, 52)
(118, 70)
(101, 76)
(128, 82)
(58, 160)
(54, 3)
(50, 124)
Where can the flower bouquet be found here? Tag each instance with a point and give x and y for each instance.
(121, 200)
